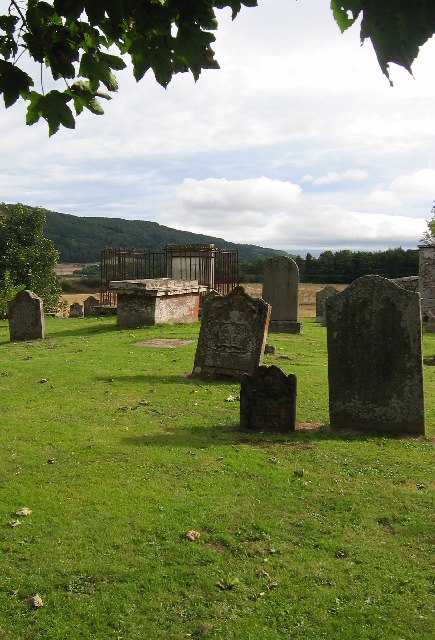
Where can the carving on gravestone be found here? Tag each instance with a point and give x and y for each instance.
(26, 316)
(375, 367)
(76, 310)
(88, 306)
(281, 291)
(321, 297)
(232, 335)
(268, 400)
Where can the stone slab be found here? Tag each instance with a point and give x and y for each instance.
(375, 370)
(268, 400)
(26, 316)
(232, 336)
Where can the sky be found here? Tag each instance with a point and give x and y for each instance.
(297, 143)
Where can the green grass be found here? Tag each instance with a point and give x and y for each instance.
(118, 454)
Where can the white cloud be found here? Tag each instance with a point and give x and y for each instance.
(351, 175)
(275, 213)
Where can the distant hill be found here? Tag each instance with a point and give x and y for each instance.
(80, 239)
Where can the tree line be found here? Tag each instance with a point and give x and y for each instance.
(342, 266)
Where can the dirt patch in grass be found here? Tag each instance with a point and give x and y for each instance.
(163, 342)
(216, 545)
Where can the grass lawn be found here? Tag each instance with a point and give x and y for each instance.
(118, 454)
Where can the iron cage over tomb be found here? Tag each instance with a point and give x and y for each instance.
(215, 268)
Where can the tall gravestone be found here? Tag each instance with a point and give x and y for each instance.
(26, 317)
(232, 336)
(321, 297)
(268, 400)
(88, 306)
(281, 291)
(375, 367)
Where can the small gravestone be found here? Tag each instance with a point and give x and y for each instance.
(375, 367)
(321, 297)
(26, 316)
(76, 310)
(88, 306)
(281, 291)
(268, 400)
(232, 336)
(429, 322)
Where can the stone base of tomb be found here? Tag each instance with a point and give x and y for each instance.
(156, 301)
(104, 310)
(285, 326)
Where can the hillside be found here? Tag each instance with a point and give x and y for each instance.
(80, 239)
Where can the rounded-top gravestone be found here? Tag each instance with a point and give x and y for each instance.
(26, 316)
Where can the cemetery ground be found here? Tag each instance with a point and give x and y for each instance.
(117, 455)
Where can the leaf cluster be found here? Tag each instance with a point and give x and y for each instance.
(396, 28)
(84, 43)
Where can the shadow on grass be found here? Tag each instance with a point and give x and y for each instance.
(90, 330)
(305, 437)
(170, 378)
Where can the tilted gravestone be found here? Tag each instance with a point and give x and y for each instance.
(88, 306)
(281, 291)
(268, 400)
(375, 367)
(321, 297)
(232, 336)
(26, 316)
(76, 310)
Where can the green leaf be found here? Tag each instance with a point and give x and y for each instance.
(341, 11)
(83, 96)
(96, 66)
(13, 82)
(53, 108)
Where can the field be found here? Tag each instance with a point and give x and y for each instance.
(118, 455)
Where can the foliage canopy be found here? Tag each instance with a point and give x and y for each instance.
(27, 258)
(83, 43)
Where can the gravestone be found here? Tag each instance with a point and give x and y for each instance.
(76, 310)
(281, 291)
(88, 306)
(26, 316)
(268, 400)
(375, 367)
(321, 297)
(232, 336)
(429, 323)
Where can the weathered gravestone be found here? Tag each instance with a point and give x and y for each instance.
(268, 400)
(26, 316)
(76, 310)
(375, 358)
(281, 291)
(321, 297)
(88, 306)
(232, 336)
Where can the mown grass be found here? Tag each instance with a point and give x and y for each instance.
(118, 454)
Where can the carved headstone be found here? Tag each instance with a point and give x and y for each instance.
(281, 291)
(76, 310)
(375, 367)
(321, 297)
(26, 316)
(268, 400)
(232, 336)
(88, 306)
